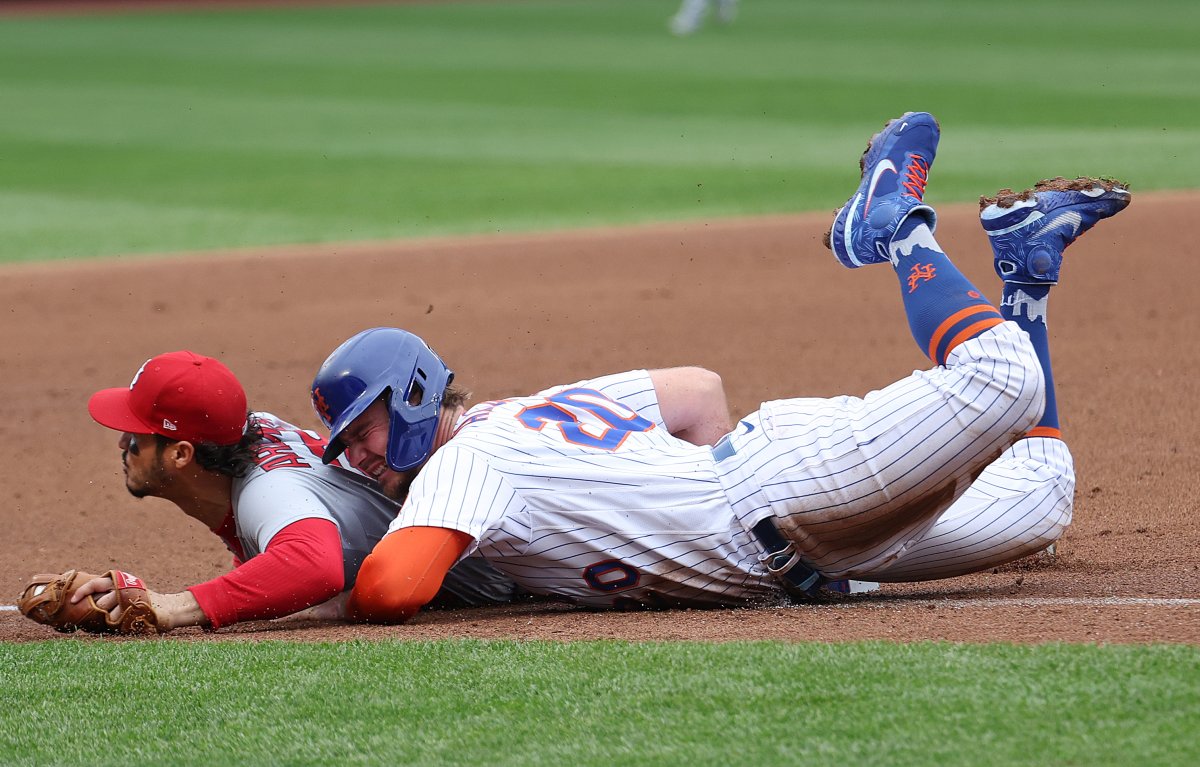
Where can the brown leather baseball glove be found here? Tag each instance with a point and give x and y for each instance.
(47, 600)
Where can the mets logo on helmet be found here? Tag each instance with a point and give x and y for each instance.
(321, 406)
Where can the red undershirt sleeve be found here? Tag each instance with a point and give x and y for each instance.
(301, 567)
(404, 572)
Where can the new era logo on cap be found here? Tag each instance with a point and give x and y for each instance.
(181, 395)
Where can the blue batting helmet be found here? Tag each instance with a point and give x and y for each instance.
(364, 368)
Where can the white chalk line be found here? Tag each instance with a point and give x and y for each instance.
(962, 604)
(987, 602)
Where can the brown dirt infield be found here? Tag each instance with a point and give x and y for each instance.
(759, 300)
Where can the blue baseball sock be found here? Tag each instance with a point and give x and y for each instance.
(943, 307)
(1026, 306)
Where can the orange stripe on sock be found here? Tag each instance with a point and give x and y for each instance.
(1044, 431)
(969, 333)
(953, 320)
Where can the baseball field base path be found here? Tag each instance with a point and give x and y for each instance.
(525, 311)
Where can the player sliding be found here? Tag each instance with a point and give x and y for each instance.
(615, 492)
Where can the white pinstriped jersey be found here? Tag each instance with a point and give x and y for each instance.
(580, 490)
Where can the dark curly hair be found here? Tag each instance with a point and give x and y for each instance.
(231, 460)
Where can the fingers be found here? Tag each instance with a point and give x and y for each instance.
(95, 586)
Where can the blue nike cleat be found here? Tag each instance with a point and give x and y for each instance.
(1029, 231)
(894, 167)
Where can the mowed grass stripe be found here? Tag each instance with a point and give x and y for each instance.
(597, 703)
(208, 129)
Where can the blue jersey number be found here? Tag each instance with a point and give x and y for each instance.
(586, 417)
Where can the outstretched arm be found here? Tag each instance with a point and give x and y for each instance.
(301, 566)
(403, 573)
(693, 404)
(172, 610)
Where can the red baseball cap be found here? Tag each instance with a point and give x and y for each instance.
(180, 395)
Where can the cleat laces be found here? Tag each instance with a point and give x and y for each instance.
(916, 175)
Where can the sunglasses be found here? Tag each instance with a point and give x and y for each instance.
(133, 448)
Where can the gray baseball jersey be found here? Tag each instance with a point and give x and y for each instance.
(289, 483)
(580, 490)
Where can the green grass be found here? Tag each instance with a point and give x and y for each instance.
(597, 703)
(152, 132)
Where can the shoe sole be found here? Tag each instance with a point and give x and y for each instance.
(1007, 198)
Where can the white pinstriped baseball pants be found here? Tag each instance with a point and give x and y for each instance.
(1019, 505)
(859, 484)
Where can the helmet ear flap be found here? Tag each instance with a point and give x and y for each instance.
(428, 384)
(416, 391)
(366, 367)
(410, 436)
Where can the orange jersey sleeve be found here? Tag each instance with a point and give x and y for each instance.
(403, 573)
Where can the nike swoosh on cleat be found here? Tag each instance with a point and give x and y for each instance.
(848, 229)
(1071, 219)
(1033, 216)
(880, 169)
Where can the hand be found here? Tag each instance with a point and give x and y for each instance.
(332, 610)
(104, 595)
(124, 605)
(107, 599)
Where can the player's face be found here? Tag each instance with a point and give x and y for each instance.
(144, 472)
(366, 441)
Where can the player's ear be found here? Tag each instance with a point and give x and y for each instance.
(179, 454)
